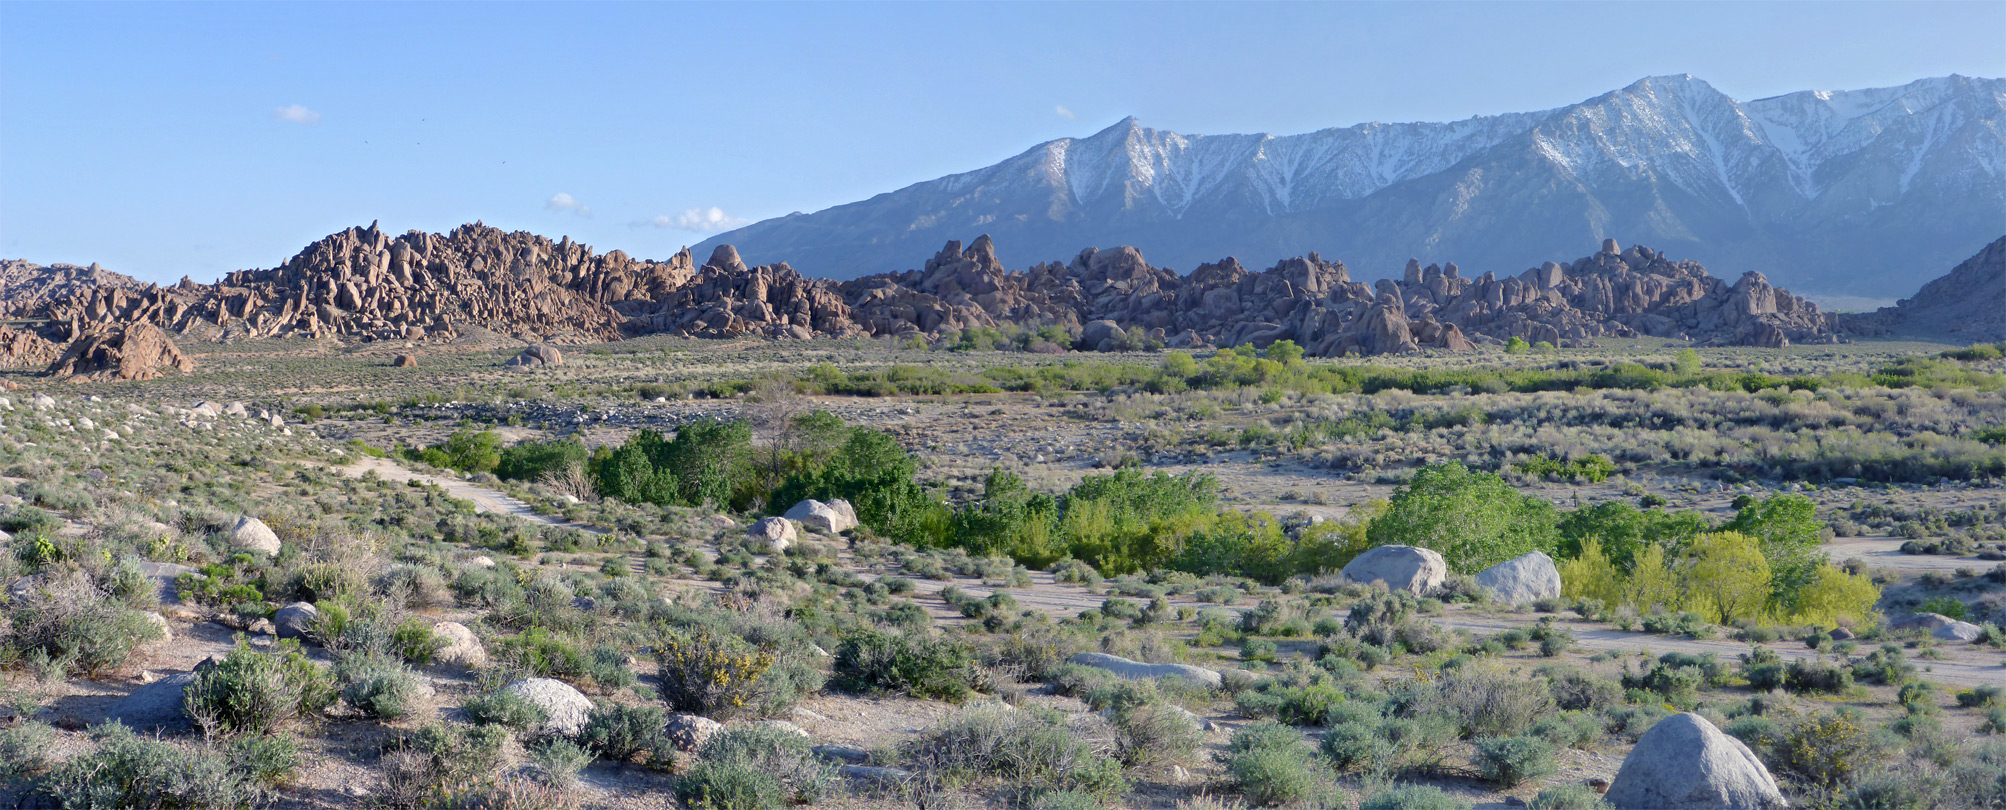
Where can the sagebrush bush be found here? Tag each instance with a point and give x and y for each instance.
(67, 619)
(916, 664)
(713, 674)
(1490, 701)
(505, 710)
(25, 750)
(1513, 761)
(258, 692)
(628, 733)
(125, 770)
(1033, 748)
(1568, 797)
(377, 686)
(1413, 797)
(786, 756)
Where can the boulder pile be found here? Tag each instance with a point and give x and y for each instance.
(364, 284)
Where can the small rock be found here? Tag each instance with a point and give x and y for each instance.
(252, 534)
(295, 620)
(689, 731)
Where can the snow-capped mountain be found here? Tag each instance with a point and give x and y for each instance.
(1861, 192)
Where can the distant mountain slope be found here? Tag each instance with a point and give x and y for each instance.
(1966, 305)
(1831, 192)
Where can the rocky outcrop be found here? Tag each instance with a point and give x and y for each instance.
(136, 351)
(1522, 580)
(26, 288)
(25, 349)
(1417, 570)
(536, 356)
(1684, 763)
(1966, 305)
(363, 284)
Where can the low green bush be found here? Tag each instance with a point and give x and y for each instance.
(623, 733)
(1512, 761)
(1413, 797)
(505, 710)
(258, 692)
(125, 770)
(1569, 797)
(377, 686)
(785, 756)
(916, 664)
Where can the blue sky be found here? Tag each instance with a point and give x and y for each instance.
(166, 139)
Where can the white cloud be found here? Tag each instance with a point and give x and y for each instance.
(295, 114)
(696, 219)
(565, 202)
(1065, 113)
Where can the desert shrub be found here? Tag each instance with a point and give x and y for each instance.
(1490, 701)
(1153, 733)
(1354, 746)
(1572, 729)
(1568, 797)
(779, 753)
(1269, 764)
(126, 770)
(258, 692)
(915, 664)
(377, 686)
(1763, 668)
(1033, 748)
(1413, 797)
(505, 710)
(627, 733)
(25, 750)
(1039, 652)
(1886, 665)
(440, 760)
(68, 620)
(1984, 696)
(1574, 689)
(559, 761)
(415, 642)
(1816, 676)
(1995, 721)
(1824, 750)
(1299, 696)
(1513, 761)
(714, 674)
(730, 786)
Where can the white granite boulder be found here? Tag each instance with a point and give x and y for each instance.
(1522, 580)
(1684, 763)
(1419, 571)
(565, 709)
(252, 534)
(771, 535)
(821, 517)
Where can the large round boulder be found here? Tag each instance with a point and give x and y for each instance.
(252, 534)
(295, 620)
(1939, 626)
(564, 709)
(463, 649)
(822, 517)
(1102, 336)
(1413, 569)
(1521, 580)
(770, 535)
(537, 356)
(1136, 670)
(1684, 763)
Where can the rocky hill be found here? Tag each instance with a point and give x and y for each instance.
(1822, 190)
(1966, 305)
(364, 285)
(27, 288)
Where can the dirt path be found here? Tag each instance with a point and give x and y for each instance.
(1960, 666)
(483, 498)
(1886, 552)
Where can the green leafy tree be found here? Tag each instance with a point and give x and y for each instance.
(1623, 531)
(1517, 345)
(1686, 362)
(1285, 352)
(1474, 519)
(711, 461)
(1787, 527)
(1727, 576)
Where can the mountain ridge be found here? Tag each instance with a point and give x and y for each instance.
(1824, 190)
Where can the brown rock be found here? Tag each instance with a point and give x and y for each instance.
(406, 361)
(140, 351)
